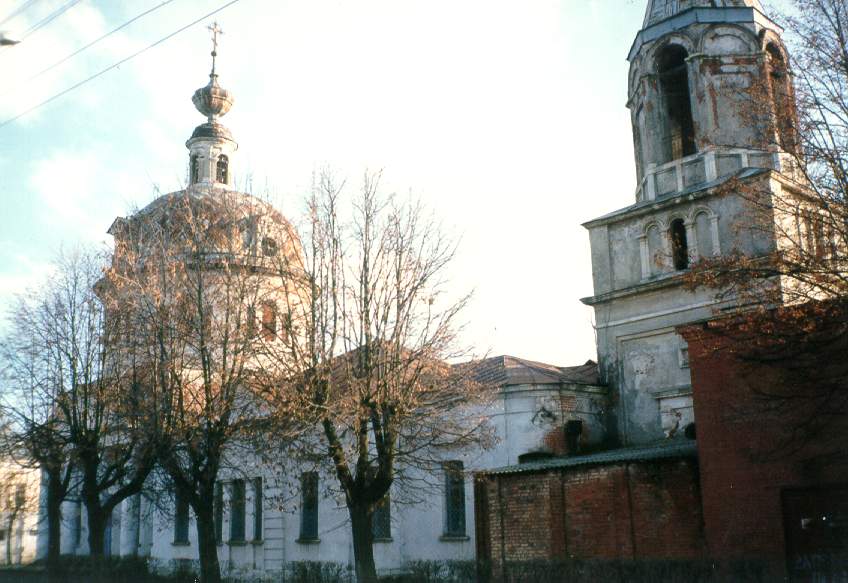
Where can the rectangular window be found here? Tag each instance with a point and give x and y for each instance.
(218, 511)
(454, 499)
(251, 322)
(237, 511)
(381, 519)
(309, 506)
(20, 496)
(181, 520)
(258, 500)
(683, 356)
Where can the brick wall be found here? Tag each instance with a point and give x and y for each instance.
(744, 475)
(623, 510)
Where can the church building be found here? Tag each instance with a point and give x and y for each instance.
(597, 461)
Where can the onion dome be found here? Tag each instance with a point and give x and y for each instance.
(213, 101)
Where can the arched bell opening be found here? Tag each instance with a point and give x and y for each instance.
(678, 124)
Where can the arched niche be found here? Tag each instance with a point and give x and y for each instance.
(654, 252)
(705, 226)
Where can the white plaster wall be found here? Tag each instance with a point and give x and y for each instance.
(417, 529)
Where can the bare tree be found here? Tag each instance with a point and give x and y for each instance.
(188, 276)
(36, 436)
(74, 397)
(369, 332)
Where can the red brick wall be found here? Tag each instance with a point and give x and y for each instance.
(624, 510)
(742, 476)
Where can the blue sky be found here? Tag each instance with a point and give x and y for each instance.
(507, 117)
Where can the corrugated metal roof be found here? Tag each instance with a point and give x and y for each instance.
(662, 450)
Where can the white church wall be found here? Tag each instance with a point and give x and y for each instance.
(417, 529)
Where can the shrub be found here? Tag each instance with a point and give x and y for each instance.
(317, 572)
(436, 572)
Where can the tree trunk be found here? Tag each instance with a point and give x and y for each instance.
(210, 570)
(363, 547)
(54, 519)
(96, 530)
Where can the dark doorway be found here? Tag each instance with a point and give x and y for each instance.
(816, 527)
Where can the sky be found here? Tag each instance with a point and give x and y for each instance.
(506, 117)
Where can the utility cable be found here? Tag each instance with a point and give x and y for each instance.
(89, 45)
(117, 64)
(50, 18)
(20, 9)
(47, 20)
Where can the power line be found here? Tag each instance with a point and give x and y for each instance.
(89, 45)
(117, 64)
(20, 9)
(50, 17)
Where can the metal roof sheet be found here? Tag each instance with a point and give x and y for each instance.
(662, 450)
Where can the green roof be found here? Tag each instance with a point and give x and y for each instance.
(662, 450)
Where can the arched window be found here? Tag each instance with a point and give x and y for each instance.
(194, 169)
(222, 169)
(781, 93)
(679, 128)
(679, 245)
(269, 321)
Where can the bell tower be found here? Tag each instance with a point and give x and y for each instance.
(211, 145)
(711, 103)
(707, 77)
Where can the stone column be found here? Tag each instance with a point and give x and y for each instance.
(70, 536)
(145, 531)
(714, 233)
(41, 538)
(691, 242)
(131, 509)
(645, 255)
